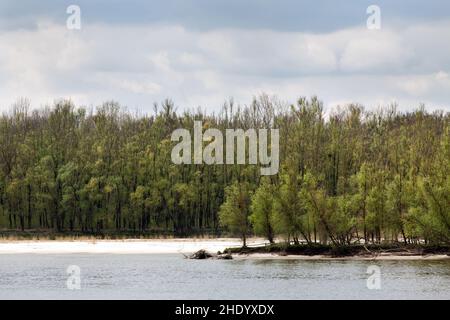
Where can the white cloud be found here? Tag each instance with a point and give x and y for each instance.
(421, 85)
(137, 65)
(371, 51)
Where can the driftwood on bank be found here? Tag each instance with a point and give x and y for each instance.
(203, 254)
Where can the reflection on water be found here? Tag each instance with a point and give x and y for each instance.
(108, 276)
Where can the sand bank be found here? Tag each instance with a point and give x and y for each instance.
(121, 246)
(181, 246)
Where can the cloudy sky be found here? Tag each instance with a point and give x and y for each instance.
(202, 52)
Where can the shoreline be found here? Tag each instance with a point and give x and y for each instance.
(389, 257)
(189, 246)
(125, 246)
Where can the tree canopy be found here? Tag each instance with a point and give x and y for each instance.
(346, 175)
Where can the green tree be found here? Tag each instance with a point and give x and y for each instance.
(262, 210)
(234, 212)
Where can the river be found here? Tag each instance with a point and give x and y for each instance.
(170, 276)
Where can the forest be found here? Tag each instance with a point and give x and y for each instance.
(345, 176)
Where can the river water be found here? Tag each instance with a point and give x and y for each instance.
(170, 276)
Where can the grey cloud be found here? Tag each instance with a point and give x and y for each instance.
(138, 63)
(282, 15)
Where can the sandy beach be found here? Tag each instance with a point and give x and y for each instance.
(129, 246)
(171, 246)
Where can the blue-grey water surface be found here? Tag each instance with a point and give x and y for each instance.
(170, 276)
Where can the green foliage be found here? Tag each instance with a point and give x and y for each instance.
(234, 212)
(353, 176)
(290, 214)
(262, 217)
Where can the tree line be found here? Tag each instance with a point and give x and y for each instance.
(347, 175)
